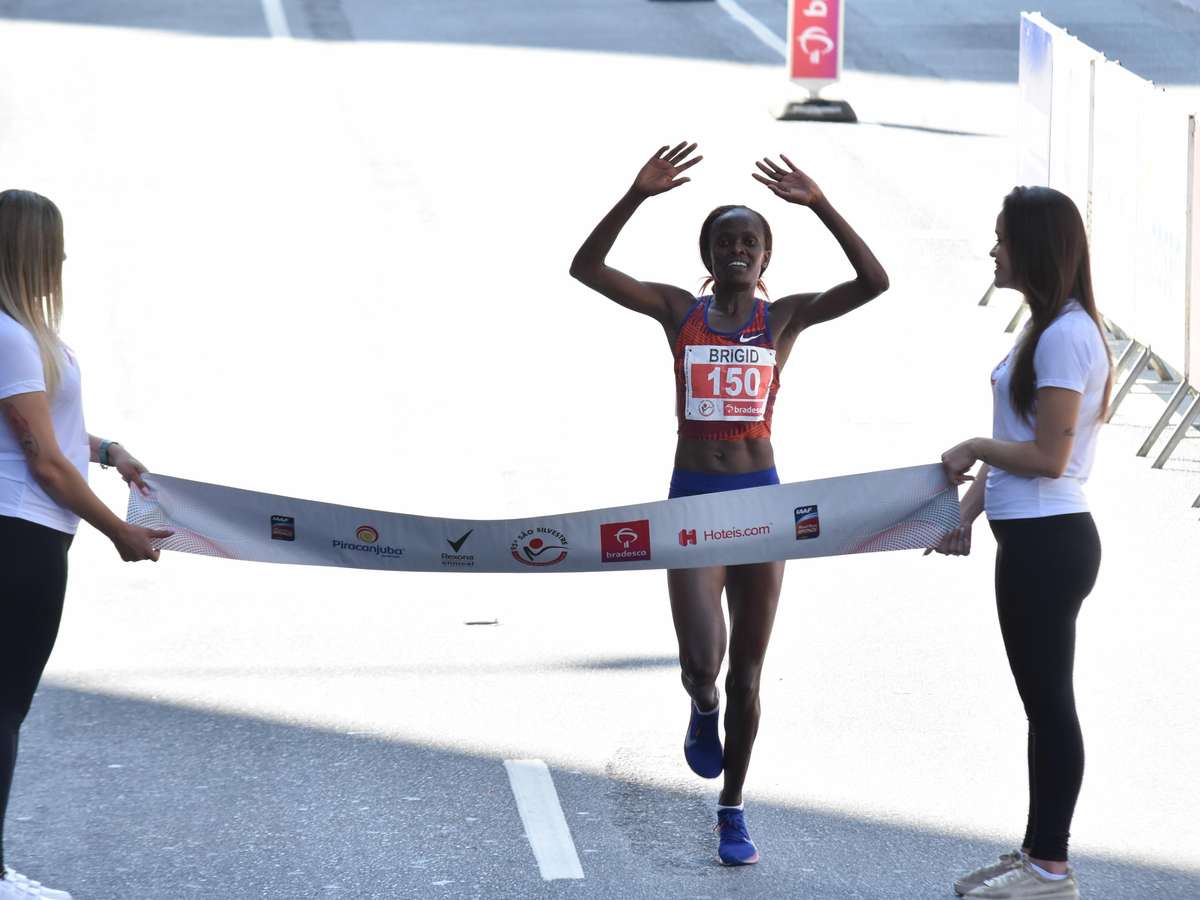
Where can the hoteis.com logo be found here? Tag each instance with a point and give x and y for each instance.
(625, 541)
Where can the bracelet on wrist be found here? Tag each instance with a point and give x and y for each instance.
(103, 456)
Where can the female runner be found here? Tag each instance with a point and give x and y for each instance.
(1049, 398)
(724, 406)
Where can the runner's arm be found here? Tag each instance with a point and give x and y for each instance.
(870, 279)
(659, 175)
(796, 312)
(590, 267)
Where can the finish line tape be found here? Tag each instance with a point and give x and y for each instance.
(901, 509)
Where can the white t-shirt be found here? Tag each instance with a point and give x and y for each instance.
(1071, 354)
(21, 372)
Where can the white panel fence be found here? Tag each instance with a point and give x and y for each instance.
(1127, 153)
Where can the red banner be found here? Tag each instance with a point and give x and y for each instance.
(815, 41)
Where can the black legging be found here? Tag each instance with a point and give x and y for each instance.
(33, 582)
(1044, 569)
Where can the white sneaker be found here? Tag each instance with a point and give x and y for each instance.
(1010, 860)
(1023, 883)
(15, 886)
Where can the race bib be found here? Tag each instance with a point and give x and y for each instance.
(726, 383)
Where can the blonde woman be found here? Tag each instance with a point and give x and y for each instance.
(44, 455)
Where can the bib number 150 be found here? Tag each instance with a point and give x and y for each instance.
(739, 383)
(728, 384)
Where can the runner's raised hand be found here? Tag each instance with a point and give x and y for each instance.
(793, 186)
(661, 172)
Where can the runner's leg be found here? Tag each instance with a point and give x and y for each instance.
(700, 630)
(753, 594)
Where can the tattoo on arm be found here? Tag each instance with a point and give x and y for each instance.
(20, 426)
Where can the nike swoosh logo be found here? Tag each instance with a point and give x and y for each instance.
(457, 545)
(745, 339)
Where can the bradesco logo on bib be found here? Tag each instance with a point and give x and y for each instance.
(727, 384)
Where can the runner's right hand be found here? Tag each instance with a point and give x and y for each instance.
(133, 542)
(661, 172)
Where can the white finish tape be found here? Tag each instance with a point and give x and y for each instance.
(901, 509)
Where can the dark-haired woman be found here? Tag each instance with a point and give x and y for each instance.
(44, 455)
(724, 407)
(1049, 397)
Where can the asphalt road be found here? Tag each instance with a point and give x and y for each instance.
(336, 268)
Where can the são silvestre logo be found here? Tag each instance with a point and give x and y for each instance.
(540, 546)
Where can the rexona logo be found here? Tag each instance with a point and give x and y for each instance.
(367, 541)
(283, 528)
(808, 523)
(458, 559)
(540, 547)
(625, 541)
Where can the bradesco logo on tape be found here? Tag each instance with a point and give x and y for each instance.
(690, 536)
(366, 540)
(540, 547)
(727, 384)
(815, 30)
(625, 541)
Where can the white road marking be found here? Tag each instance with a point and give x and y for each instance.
(759, 30)
(542, 816)
(277, 23)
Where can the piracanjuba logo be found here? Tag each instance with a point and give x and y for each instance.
(367, 541)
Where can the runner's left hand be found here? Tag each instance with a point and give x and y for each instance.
(793, 186)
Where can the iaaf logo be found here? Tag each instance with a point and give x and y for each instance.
(367, 541)
(625, 541)
(808, 523)
(540, 547)
(687, 536)
(283, 528)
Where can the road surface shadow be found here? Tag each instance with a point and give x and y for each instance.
(118, 798)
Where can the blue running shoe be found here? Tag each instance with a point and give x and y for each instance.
(702, 746)
(736, 848)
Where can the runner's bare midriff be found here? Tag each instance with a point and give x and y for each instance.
(724, 457)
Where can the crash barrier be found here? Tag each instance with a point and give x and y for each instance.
(1127, 153)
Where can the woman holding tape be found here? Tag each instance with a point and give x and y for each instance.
(1049, 395)
(729, 349)
(44, 453)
